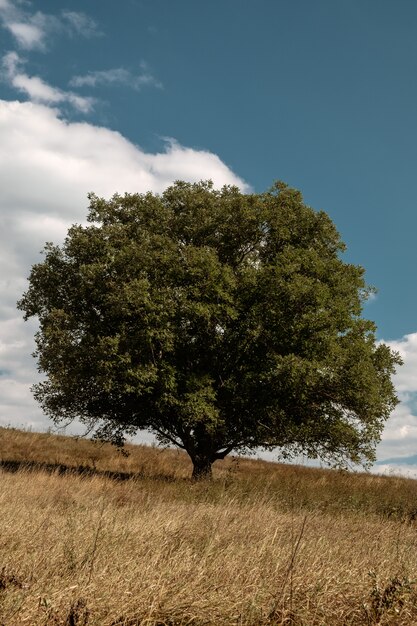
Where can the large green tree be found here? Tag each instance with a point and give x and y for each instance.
(217, 320)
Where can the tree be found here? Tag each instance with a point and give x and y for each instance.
(217, 320)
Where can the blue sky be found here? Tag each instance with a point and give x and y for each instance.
(129, 96)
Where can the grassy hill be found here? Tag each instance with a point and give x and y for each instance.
(91, 537)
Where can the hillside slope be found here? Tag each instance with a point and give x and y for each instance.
(90, 537)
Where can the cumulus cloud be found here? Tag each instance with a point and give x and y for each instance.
(47, 167)
(399, 439)
(31, 30)
(406, 377)
(118, 76)
(37, 89)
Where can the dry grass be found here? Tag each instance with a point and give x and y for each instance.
(133, 541)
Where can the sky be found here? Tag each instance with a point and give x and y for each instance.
(130, 96)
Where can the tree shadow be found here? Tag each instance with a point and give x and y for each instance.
(85, 471)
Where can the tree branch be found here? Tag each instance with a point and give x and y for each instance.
(169, 437)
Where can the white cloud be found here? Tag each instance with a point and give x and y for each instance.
(391, 469)
(31, 30)
(399, 438)
(37, 89)
(93, 79)
(81, 24)
(117, 76)
(47, 167)
(28, 36)
(28, 29)
(406, 377)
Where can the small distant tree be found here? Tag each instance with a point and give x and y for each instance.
(219, 321)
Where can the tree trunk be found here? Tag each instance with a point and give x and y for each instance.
(202, 468)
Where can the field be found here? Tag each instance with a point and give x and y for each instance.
(90, 537)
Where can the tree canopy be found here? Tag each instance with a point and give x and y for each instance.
(219, 321)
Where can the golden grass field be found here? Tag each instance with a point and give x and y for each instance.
(89, 537)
